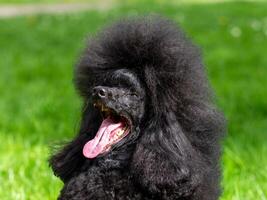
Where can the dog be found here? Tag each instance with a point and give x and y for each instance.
(149, 128)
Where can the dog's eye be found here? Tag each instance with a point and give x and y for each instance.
(133, 93)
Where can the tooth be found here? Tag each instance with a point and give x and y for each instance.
(121, 132)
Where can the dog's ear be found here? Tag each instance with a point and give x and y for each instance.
(69, 159)
(165, 160)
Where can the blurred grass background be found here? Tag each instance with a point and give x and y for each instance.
(39, 106)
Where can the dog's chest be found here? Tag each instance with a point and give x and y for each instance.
(99, 185)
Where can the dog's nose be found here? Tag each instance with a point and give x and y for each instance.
(100, 92)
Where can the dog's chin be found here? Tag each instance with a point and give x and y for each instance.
(114, 128)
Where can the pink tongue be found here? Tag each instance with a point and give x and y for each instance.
(95, 146)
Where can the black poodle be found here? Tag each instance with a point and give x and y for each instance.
(149, 129)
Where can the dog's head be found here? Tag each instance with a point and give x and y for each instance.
(134, 73)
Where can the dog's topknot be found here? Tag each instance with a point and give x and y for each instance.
(152, 47)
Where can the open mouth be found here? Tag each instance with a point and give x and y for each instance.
(113, 128)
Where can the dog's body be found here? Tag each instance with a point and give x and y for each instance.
(158, 135)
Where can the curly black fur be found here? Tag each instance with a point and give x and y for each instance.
(173, 149)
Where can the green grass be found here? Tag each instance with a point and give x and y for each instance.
(108, 1)
(39, 106)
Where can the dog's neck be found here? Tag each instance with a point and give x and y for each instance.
(117, 159)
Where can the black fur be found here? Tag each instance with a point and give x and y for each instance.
(173, 149)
